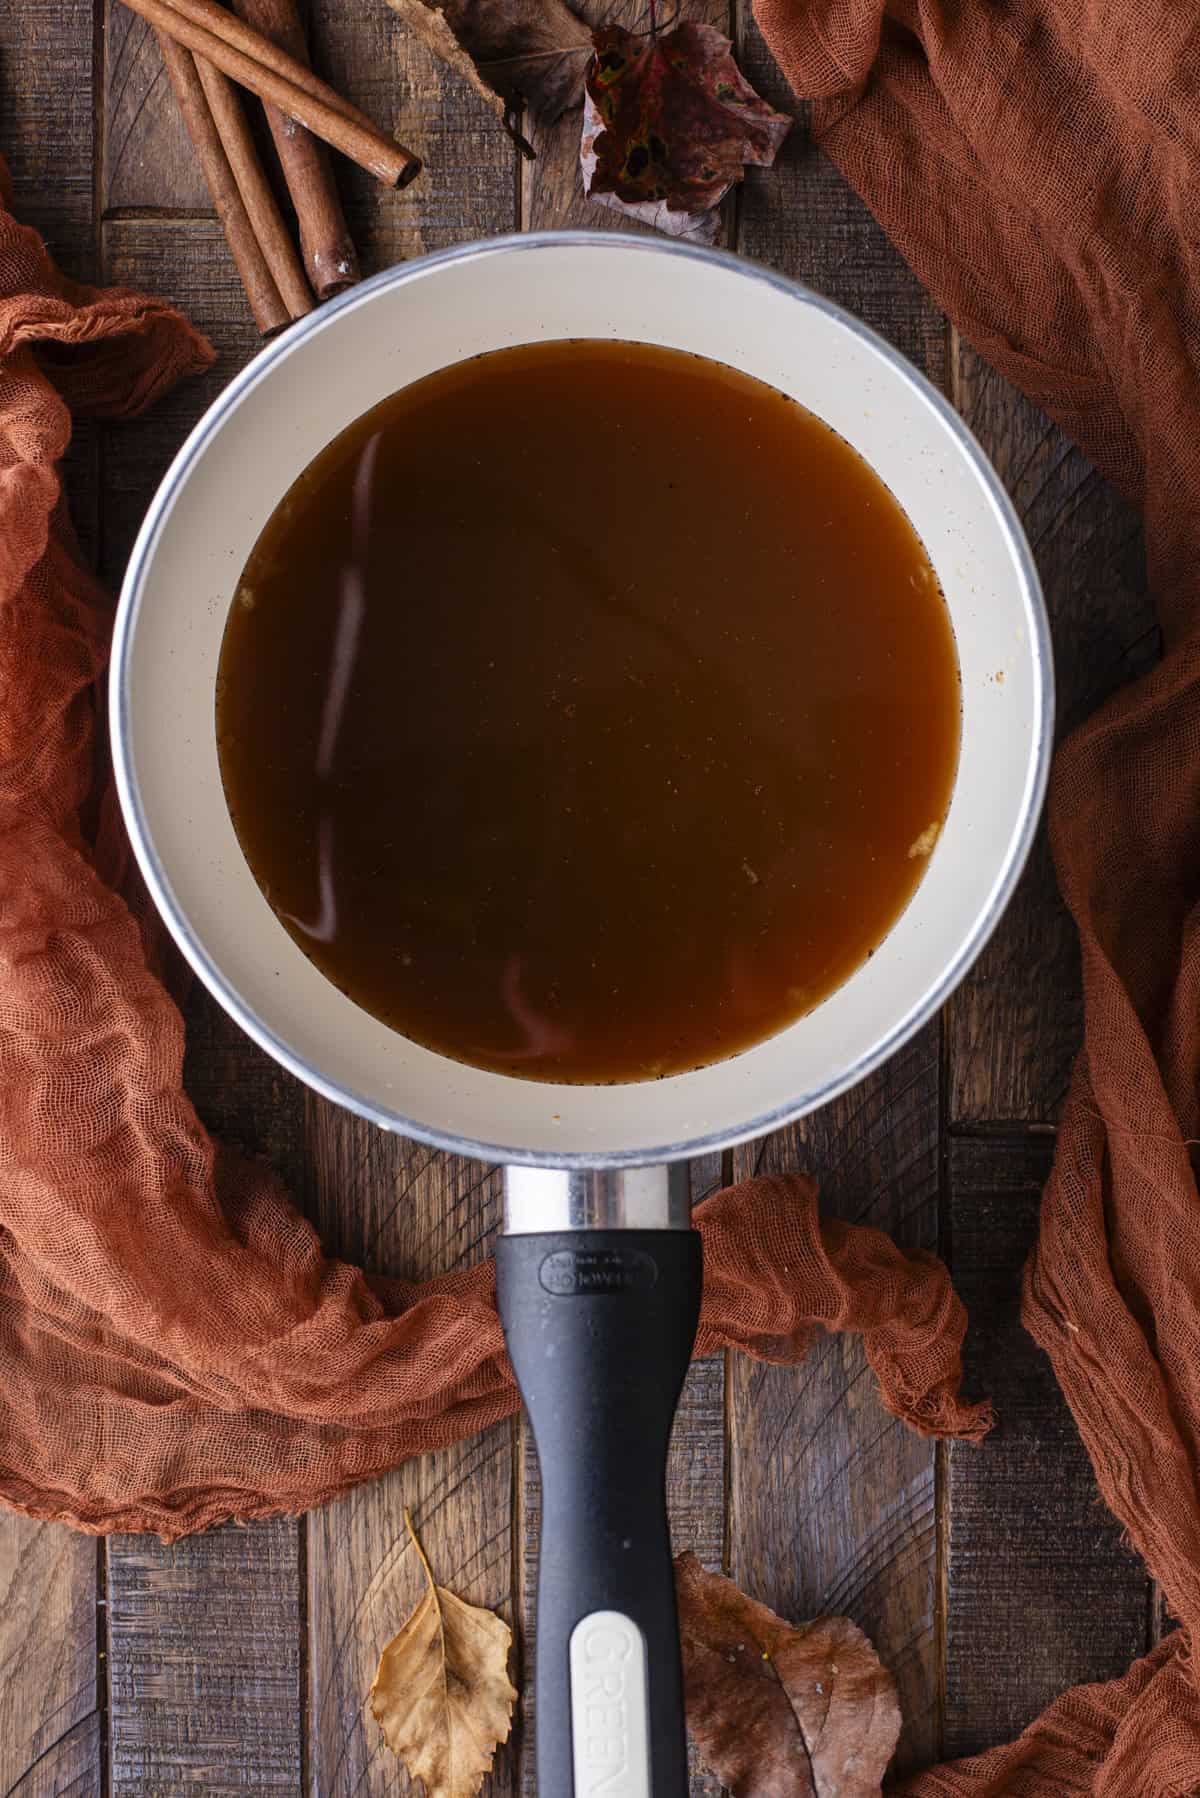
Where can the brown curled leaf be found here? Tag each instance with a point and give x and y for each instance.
(512, 52)
(442, 1695)
(680, 120)
(781, 1710)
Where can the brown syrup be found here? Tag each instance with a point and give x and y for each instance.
(586, 711)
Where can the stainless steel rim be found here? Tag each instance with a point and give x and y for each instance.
(533, 243)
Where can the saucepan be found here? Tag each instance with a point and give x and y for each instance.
(599, 1271)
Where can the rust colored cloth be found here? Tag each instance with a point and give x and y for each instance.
(1038, 163)
(174, 1347)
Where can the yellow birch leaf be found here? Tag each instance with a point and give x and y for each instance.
(442, 1695)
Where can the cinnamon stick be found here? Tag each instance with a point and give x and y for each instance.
(266, 302)
(215, 16)
(259, 201)
(329, 253)
(281, 80)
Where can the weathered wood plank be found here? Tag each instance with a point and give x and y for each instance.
(1042, 1592)
(204, 1663)
(696, 1490)
(1014, 1025)
(49, 1702)
(46, 104)
(247, 1099)
(148, 160)
(695, 1503)
(364, 1581)
(832, 1502)
(401, 1208)
(696, 1465)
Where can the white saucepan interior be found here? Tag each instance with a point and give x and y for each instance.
(306, 388)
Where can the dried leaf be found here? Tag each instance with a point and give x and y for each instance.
(510, 51)
(694, 227)
(680, 122)
(779, 1710)
(442, 1695)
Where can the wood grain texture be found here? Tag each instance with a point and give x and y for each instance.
(243, 1096)
(148, 160)
(46, 105)
(398, 1207)
(365, 1580)
(695, 1505)
(831, 1501)
(49, 1703)
(1042, 1592)
(204, 1663)
(1014, 1025)
(696, 1491)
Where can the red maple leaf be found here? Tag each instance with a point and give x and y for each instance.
(680, 120)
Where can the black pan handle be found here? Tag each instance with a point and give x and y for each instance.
(600, 1326)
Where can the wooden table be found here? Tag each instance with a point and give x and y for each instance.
(988, 1578)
